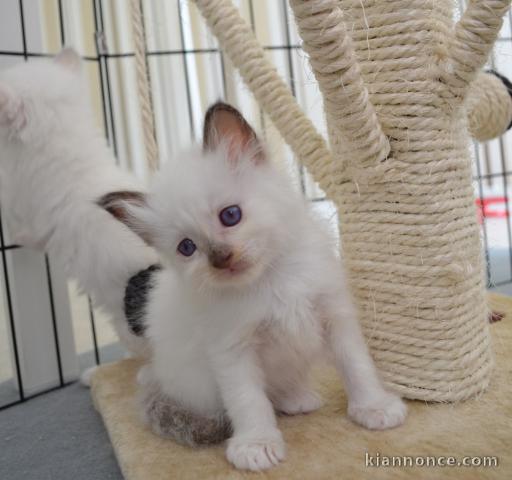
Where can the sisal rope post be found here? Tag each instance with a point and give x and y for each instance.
(143, 85)
(410, 239)
(356, 132)
(239, 43)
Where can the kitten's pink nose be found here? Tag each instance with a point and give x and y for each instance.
(220, 256)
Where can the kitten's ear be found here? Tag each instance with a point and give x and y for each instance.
(69, 58)
(12, 110)
(130, 208)
(225, 126)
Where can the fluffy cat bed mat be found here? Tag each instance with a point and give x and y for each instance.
(325, 444)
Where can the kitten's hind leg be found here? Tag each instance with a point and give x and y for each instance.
(302, 399)
(287, 376)
(170, 419)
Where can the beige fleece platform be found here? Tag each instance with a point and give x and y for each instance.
(325, 444)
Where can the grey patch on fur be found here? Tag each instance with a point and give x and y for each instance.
(168, 418)
(136, 298)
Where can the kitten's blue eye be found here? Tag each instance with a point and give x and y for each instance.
(230, 216)
(187, 247)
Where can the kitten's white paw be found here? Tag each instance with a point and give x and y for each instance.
(85, 378)
(256, 452)
(386, 410)
(304, 401)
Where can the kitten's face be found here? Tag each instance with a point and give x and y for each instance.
(219, 224)
(220, 217)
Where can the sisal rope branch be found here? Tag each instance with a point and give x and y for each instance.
(346, 100)
(473, 38)
(270, 90)
(143, 85)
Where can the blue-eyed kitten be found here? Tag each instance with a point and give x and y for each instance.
(250, 296)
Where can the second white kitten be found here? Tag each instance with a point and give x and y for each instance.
(54, 166)
(251, 295)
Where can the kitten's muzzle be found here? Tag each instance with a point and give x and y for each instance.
(220, 256)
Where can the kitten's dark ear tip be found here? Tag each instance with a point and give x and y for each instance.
(224, 126)
(121, 206)
(115, 203)
(219, 106)
(211, 119)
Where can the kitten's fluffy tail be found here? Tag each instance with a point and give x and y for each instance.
(168, 418)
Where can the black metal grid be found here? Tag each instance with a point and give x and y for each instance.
(4, 248)
(103, 59)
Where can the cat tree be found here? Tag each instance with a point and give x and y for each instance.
(399, 90)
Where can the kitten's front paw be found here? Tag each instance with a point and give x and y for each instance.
(386, 410)
(305, 401)
(256, 452)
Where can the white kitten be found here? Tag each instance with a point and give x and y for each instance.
(251, 295)
(54, 167)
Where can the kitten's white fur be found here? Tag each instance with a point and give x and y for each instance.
(54, 166)
(245, 340)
